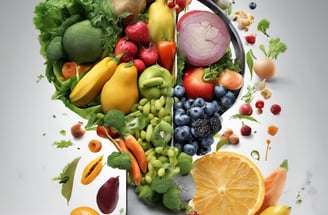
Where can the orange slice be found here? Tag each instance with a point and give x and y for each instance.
(227, 183)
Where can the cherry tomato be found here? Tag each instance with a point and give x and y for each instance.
(251, 38)
(101, 132)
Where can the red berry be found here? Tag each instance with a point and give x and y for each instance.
(259, 104)
(251, 38)
(245, 130)
(246, 109)
(139, 64)
(275, 109)
(171, 4)
(177, 8)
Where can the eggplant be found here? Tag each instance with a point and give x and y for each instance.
(108, 195)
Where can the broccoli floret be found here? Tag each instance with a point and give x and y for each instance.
(185, 163)
(171, 199)
(161, 184)
(119, 160)
(115, 119)
(147, 195)
(200, 128)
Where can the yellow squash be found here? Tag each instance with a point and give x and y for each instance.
(90, 85)
(121, 91)
(161, 21)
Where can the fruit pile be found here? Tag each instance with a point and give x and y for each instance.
(159, 104)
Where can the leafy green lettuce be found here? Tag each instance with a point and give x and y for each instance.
(52, 18)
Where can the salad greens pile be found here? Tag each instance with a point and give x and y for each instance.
(52, 18)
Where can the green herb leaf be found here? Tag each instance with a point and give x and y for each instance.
(220, 144)
(250, 61)
(63, 144)
(249, 96)
(226, 62)
(66, 178)
(39, 78)
(180, 67)
(276, 47)
(255, 154)
(284, 164)
(240, 116)
(62, 132)
(263, 26)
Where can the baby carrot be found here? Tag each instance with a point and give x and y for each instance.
(133, 145)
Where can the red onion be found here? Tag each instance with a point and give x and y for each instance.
(203, 37)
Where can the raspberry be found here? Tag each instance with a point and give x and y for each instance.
(275, 109)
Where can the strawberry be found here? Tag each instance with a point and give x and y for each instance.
(149, 55)
(127, 49)
(138, 32)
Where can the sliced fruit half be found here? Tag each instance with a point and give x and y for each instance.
(227, 183)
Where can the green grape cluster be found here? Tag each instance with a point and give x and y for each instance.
(155, 111)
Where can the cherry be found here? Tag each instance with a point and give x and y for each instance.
(275, 109)
(245, 130)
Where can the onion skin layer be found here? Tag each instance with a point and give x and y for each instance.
(203, 37)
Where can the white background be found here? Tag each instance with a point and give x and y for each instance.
(31, 122)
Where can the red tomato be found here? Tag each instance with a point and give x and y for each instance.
(101, 132)
(195, 86)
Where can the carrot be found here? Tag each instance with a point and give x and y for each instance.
(135, 169)
(133, 145)
(95, 145)
(69, 69)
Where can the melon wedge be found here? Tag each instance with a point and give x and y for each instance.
(274, 185)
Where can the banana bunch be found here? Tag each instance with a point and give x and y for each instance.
(92, 82)
(277, 210)
(161, 21)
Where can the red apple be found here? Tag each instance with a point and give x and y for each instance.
(195, 86)
(127, 49)
(138, 32)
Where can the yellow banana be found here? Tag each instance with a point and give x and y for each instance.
(277, 210)
(161, 21)
(92, 82)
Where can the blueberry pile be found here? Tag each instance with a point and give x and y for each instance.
(196, 121)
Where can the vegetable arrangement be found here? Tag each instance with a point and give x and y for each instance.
(151, 78)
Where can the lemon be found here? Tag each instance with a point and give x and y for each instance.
(277, 210)
(227, 183)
